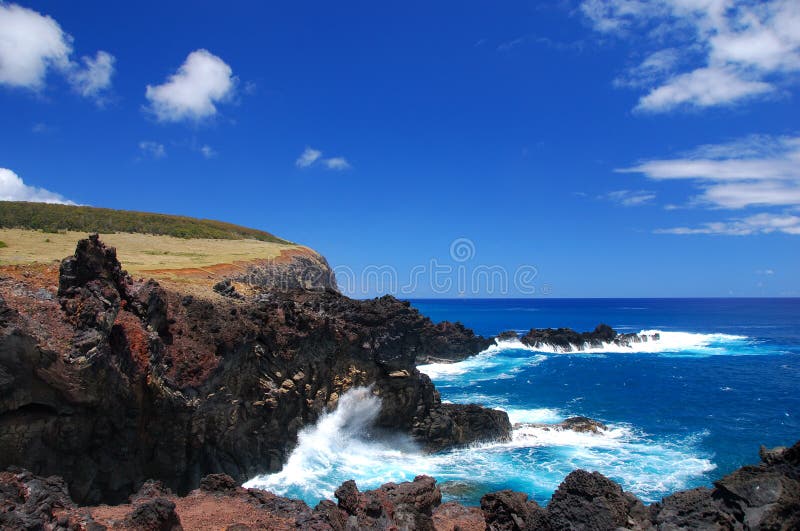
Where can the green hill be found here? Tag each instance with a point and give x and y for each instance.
(55, 218)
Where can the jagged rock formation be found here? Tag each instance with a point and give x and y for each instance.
(449, 341)
(108, 381)
(300, 269)
(568, 340)
(764, 496)
(462, 342)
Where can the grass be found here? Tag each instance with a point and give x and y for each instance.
(139, 253)
(3, 244)
(59, 219)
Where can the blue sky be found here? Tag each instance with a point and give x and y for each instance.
(619, 148)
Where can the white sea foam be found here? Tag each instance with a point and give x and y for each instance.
(342, 445)
(666, 342)
(540, 415)
(487, 365)
(339, 447)
(483, 366)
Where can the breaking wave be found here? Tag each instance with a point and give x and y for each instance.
(342, 445)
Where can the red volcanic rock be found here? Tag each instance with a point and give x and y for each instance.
(452, 516)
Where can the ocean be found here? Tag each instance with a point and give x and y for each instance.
(681, 412)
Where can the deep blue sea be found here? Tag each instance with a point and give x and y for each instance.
(682, 412)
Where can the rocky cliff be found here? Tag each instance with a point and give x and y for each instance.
(763, 496)
(108, 381)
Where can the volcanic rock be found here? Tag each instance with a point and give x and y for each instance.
(117, 381)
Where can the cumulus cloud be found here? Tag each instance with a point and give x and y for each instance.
(311, 156)
(763, 223)
(152, 149)
(12, 188)
(193, 92)
(732, 51)
(32, 44)
(630, 197)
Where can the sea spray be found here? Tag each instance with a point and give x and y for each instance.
(344, 445)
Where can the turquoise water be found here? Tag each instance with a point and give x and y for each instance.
(681, 412)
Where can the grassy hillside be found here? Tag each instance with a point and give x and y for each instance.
(146, 254)
(58, 218)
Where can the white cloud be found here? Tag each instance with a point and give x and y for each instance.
(758, 170)
(311, 156)
(703, 87)
(207, 151)
(741, 195)
(336, 163)
(630, 197)
(31, 44)
(732, 50)
(763, 223)
(755, 171)
(308, 157)
(153, 149)
(12, 188)
(95, 77)
(192, 93)
(655, 67)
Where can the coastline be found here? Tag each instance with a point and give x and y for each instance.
(101, 359)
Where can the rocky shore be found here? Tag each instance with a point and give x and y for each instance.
(123, 386)
(109, 381)
(763, 496)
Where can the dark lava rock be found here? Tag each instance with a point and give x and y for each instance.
(459, 424)
(765, 496)
(508, 335)
(692, 509)
(226, 289)
(119, 381)
(591, 501)
(157, 514)
(151, 489)
(583, 425)
(406, 506)
(28, 501)
(568, 340)
(448, 341)
(218, 483)
(576, 424)
(507, 510)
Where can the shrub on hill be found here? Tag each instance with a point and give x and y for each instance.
(57, 218)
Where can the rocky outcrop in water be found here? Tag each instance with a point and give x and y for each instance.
(764, 496)
(464, 343)
(109, 381)
(568, 340)
(576, 424)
